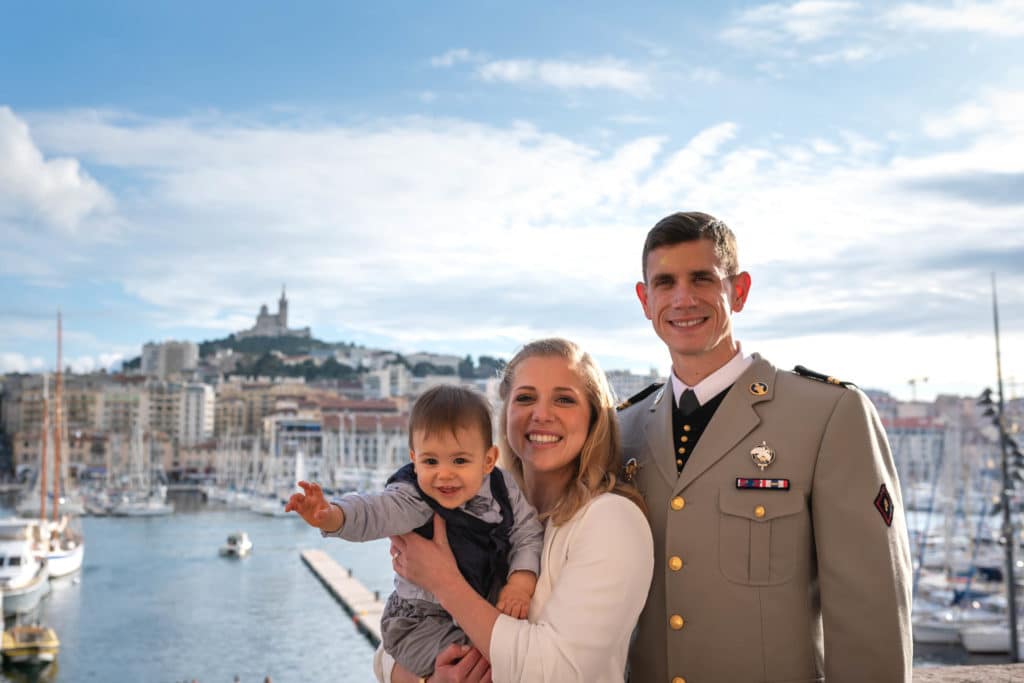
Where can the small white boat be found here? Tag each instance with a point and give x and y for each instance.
(24, 574)
(237, 545)
(989, 639)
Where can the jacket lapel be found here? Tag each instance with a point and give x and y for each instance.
(733, 420)
(658, 428)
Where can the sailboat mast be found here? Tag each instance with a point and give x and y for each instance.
(1008, 535)
(42, 452)
(58, 426)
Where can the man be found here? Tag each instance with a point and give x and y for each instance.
(781, 552)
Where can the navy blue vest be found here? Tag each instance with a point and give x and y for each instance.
(481, 548)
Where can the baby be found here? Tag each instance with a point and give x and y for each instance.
(492, 530)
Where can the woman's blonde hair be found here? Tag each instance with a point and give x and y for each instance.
(600, 458)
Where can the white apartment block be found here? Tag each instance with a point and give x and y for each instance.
(388, 382)
(169, 358)
(198, 402)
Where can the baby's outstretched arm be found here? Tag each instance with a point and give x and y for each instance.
(314, 508)
(514, 598)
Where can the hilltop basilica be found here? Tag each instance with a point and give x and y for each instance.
(273, 324)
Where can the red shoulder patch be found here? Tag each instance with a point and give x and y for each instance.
(884, 505)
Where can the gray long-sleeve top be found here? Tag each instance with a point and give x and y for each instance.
(399, 509)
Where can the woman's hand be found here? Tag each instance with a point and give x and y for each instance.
(431, 566)
(460, 664)
(428, 564)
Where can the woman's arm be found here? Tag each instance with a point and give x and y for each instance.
(431, 565)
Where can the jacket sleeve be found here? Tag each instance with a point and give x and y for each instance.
(863, 551)
(527, 536)
(603, 574)
(397, 509)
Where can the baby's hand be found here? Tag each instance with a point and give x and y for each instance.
(314, 508)
(513, 601)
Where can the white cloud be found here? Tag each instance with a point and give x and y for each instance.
(444, 232)
(17, 362)
(56, 191)
(849, 55)
(453, 57)
(999, 18)
(609, 74)
(804, 22)
(706, 75)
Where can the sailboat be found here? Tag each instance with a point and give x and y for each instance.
(146, 493)
(52, 524)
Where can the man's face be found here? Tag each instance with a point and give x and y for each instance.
(689, 298)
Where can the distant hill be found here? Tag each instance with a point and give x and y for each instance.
(291, 346)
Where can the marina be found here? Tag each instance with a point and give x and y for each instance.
(159, 587)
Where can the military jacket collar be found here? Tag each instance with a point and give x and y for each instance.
(736, 417)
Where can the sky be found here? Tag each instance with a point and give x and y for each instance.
(463, 177)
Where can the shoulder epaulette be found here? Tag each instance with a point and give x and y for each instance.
(640, 395)
(827, 379)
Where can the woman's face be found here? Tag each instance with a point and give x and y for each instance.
(548, 417)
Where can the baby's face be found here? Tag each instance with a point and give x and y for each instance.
(451, 467)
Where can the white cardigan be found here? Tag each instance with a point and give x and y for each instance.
(595, 572)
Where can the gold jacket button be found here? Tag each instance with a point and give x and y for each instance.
(759, 511)
(675, 563)
(678, 679)
(676, 622)
(678, 503)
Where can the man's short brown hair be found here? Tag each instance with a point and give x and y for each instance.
(447, 407)
(691, 226)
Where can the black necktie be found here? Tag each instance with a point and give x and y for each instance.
(688, 402)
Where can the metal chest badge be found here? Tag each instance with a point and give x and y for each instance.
(630, 469)
(763, 455)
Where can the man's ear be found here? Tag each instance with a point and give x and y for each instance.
(641, 293)
(490, 459)
(740, 290)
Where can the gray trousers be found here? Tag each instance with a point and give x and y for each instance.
(415, 631)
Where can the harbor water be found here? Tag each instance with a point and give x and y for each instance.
(155, 602)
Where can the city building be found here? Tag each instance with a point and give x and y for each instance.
(169, 359)
(198, 402)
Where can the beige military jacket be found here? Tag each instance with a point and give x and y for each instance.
(807, 583)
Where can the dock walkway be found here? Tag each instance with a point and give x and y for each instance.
(362, 604)
(365, 607)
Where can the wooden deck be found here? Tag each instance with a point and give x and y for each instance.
(362, 604)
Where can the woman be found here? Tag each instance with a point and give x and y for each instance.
(560, 440)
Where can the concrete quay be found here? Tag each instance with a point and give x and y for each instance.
(362, 604)
(988, 673)
(365, 608)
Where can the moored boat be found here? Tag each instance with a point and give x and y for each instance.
(988, 639)
(24, 574)
(30, 644)
(238, 544)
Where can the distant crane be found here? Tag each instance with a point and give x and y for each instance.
(913, 382)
